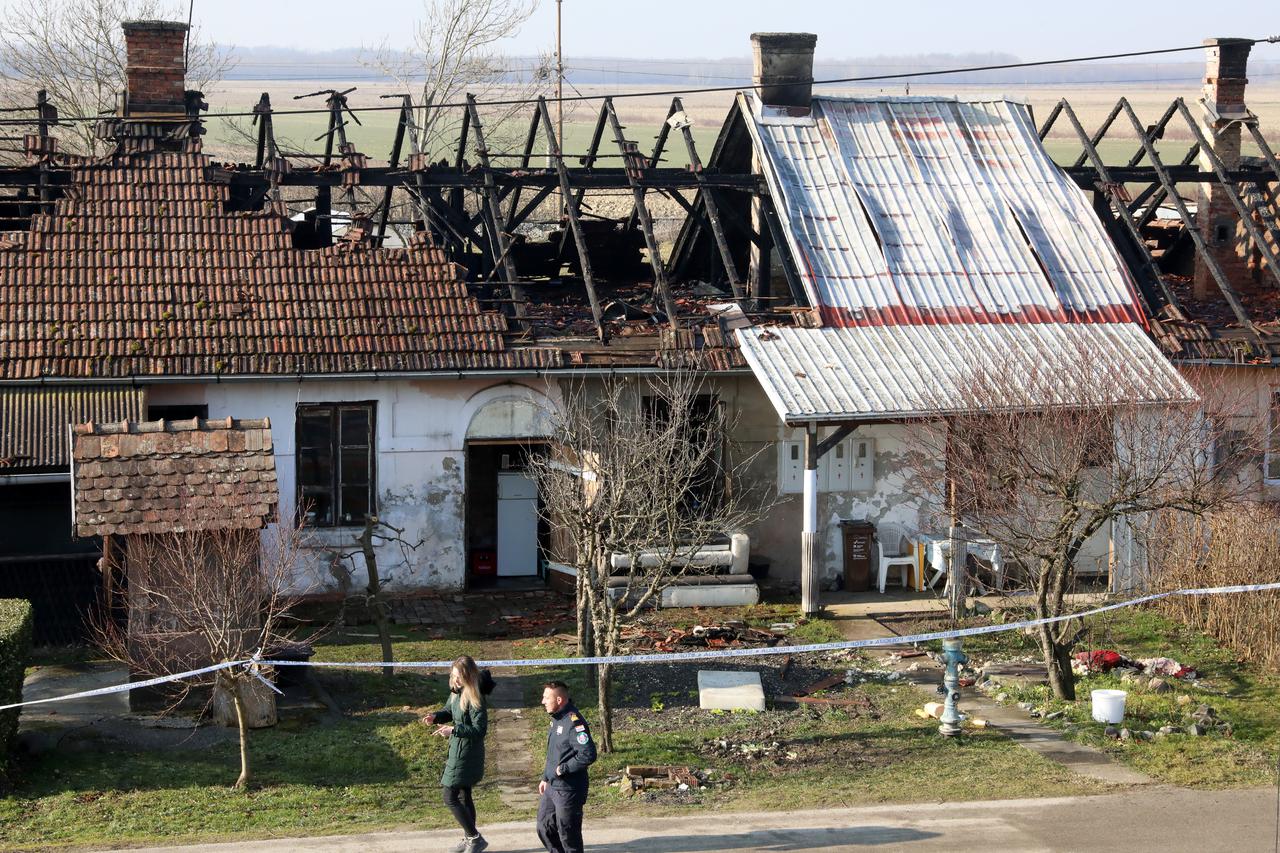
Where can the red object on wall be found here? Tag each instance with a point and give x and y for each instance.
(484, 564)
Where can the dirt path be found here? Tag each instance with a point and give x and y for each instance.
(510, 742)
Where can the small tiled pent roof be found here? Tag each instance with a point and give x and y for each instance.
(172, 476)
(142, 270)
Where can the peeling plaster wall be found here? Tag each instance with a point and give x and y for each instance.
(777, 536)
(421, 428)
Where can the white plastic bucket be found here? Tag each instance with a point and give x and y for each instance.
(1108, 705)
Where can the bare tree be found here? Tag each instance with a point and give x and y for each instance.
(641, 476)
(375, 533)
(1050, 454)
(454, 51)
(74, 49)
(200, 598)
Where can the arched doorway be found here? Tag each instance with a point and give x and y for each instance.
(505, 538)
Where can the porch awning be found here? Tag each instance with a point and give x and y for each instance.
(870, 373)
(35, 421)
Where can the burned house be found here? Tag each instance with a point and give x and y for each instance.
(837, 258)
(1200, 234)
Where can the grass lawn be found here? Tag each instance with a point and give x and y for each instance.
(1240, 693)
(377, 767)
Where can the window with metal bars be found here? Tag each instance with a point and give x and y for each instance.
(335, 463)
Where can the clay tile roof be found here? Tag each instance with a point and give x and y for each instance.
(142, 270)
(172, 476)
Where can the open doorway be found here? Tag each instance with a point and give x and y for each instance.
(506, 536)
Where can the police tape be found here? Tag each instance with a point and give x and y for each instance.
(669, 657)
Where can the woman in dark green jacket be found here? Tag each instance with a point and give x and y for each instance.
(466, 719)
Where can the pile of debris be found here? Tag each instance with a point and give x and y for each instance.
(729, 635)
(771, 750)
(662, 778)
(1106, 660)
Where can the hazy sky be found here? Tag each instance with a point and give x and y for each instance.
(664, 29)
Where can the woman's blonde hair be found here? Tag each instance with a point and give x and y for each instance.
(469, 680)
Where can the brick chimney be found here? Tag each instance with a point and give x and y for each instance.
(1224, 83)
(156, 68)
(782, 66)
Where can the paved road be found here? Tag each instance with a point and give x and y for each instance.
(1149, 819)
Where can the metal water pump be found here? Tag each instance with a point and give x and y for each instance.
(954, 656)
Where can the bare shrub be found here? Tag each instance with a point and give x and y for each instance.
(1241, 546)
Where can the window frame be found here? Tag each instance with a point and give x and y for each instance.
(337, 483)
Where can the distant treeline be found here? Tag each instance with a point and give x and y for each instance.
(271, 63)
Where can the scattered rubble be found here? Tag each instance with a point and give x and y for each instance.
(663, 778)
(751, 750)
(730, 635)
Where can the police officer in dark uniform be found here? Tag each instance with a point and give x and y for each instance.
(563, 789)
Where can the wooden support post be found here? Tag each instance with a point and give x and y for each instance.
(584, 258)
(1233, 195)
(406, 118)
(499, 240)
(772, 235)
(1228, 292)
(1112, 189)
(633, 162)
(711, 205)
(460, 160)
(809, 580)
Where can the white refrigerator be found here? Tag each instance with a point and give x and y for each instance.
(517, 525)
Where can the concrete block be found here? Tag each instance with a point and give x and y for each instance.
(730, 691)
(719, 595)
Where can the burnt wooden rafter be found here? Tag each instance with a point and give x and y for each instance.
(500, 240)
(1232, 193)
(1215, 269)
(572, 212)
(710, 203)
(1115, 196)
(635, 164)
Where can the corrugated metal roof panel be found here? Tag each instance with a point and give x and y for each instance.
(881, 372)
(34, 420)
(935, 210)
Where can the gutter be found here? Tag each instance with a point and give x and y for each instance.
(28, 479)
(373, 376)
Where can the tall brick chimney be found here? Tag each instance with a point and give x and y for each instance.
(1225, 77)
(156, 68)
(782, 66)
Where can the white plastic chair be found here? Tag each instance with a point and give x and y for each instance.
(896, 552)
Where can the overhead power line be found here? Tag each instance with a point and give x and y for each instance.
(868, 78)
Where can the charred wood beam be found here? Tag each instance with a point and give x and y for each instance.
(1156, 131)
(1158, 199)
(588, 163)
(1099, 134)
(406, 118)
(1264, 187)
(711, 206)
(381, 176)
(635, 166)
(575, 223)
(1181, 174)
(523, 213)
(460, 160)
(1224, 284)
(776, 233)
(525, 157)
(499, 240)
(659, 146)
(1233, 193)
(1050, 119)
(1106, 183)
